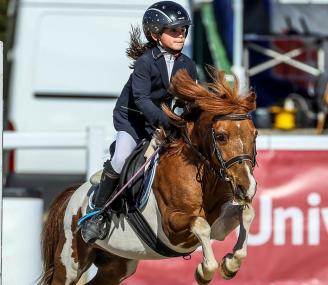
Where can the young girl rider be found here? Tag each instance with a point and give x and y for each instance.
(137, 113)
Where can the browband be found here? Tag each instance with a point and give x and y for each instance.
(232, 117)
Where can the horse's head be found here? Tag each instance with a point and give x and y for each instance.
(233, 152)
(219, 128)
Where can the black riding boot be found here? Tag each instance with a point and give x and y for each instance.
(97, 227)
(108, 183)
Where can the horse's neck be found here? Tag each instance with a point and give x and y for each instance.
(181, 176)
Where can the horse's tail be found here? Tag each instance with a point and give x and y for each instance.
(52, 229)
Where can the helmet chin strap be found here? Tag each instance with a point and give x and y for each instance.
(169, 50)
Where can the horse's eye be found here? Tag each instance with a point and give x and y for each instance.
(221, 137)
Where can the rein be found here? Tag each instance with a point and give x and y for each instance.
(224, 165)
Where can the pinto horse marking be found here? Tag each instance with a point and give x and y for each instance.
(202, 190)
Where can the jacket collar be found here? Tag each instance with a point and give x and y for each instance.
(157, 53)
(161, 64)
(158, 56)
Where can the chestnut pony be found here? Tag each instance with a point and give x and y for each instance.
(202, 190)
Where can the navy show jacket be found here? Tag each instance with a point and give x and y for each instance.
(137, 110)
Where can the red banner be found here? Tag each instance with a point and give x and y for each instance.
(288, 242)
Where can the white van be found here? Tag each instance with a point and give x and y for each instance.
(69, 66)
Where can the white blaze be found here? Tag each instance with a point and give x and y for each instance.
(252, 183)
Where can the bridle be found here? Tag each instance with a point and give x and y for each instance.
(224, 165)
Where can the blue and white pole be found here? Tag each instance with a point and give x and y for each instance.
(237, 66)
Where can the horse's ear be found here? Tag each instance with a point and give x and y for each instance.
(184, 87)
(251, 99)
(252, 96)
(248, 101)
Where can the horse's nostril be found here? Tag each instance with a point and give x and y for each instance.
(241, 188)
(240, 192)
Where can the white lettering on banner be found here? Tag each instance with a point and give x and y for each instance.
(276, 227)
(280, 217)
(313, 200)
(265, 222)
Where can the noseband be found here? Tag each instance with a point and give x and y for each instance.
(224, 165)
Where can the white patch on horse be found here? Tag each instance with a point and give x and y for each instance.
(66, 255)
(226, 222)
(240, 141)
(133, 247)
(233, 264)
(202, 230)
(252, 183)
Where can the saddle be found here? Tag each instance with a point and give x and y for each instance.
(134, 195)
(135, 189)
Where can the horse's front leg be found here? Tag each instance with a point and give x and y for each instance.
(231, 263)
(206, 270)
(227, 221)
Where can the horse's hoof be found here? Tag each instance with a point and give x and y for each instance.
(224, 271)
(200, 280)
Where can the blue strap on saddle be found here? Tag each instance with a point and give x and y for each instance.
(148, 182)
(87, 217)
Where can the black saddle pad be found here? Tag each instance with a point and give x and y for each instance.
(133, 163)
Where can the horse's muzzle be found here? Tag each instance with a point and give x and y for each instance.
(241, 195)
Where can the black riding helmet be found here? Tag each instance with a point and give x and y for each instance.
(164, 14)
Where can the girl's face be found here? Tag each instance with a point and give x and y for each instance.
(172, 38)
